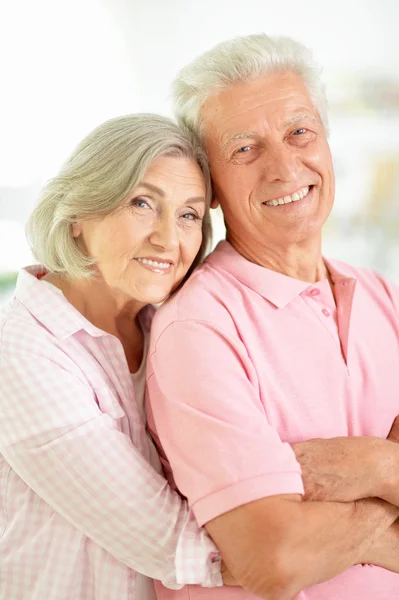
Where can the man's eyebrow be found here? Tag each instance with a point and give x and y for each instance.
(239, 136)
(251, 134)
(298, 118)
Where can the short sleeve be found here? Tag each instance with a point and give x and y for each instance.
(208, 416)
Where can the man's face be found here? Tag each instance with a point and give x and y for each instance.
(271, 163)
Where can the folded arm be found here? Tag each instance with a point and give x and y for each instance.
(277, 546)
(239, 477)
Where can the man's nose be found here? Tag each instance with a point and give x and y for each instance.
(281, 164)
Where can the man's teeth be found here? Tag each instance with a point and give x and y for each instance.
(287, 199)
(154, 263)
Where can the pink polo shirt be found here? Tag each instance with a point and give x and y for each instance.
(245, 361)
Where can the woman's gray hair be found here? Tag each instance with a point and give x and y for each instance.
(244, 59)
(101, 171)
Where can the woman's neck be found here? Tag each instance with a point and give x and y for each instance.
(107, 309)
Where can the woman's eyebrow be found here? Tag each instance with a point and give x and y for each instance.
(195, 200)
(161, 193)
(152, 188)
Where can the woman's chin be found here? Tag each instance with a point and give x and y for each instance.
(155, 296)
(153, 293)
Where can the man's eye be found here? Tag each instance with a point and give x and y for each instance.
(244, 149)
(300, 131)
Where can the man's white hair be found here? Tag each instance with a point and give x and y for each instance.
(239, 60)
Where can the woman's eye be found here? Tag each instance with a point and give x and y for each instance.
(190, 216)
(140, 203)
(300, 131)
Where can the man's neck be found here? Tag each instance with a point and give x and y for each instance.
(301, 261)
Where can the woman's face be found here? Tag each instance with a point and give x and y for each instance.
(145, 247)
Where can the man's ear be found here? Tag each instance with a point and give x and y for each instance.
(214, 201)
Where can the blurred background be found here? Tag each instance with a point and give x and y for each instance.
(68, 65)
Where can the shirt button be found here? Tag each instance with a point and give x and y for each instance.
(326, 312)
(215, 558)
(314, 292)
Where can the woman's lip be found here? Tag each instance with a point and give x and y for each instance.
(156, 269)
(157, 259)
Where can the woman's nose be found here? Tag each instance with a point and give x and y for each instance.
(165, 234)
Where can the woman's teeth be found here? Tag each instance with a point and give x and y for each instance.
(154, 263)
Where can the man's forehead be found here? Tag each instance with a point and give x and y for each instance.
(237, 109)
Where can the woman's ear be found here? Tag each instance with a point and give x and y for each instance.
(76, 229)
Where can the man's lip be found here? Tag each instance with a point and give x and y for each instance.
(309, 185)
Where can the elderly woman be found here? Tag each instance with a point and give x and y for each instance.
(84, 505)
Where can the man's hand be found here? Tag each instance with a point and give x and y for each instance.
(393, 435)
(384, 552)
(341, 469)
(350, 468)
(228, 578)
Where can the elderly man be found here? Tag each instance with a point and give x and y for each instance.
(269, 345)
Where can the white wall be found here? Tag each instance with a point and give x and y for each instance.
(165, 35)
(65, 68)
(67, 65)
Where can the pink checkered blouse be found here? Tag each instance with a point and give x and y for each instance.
(81, 507)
